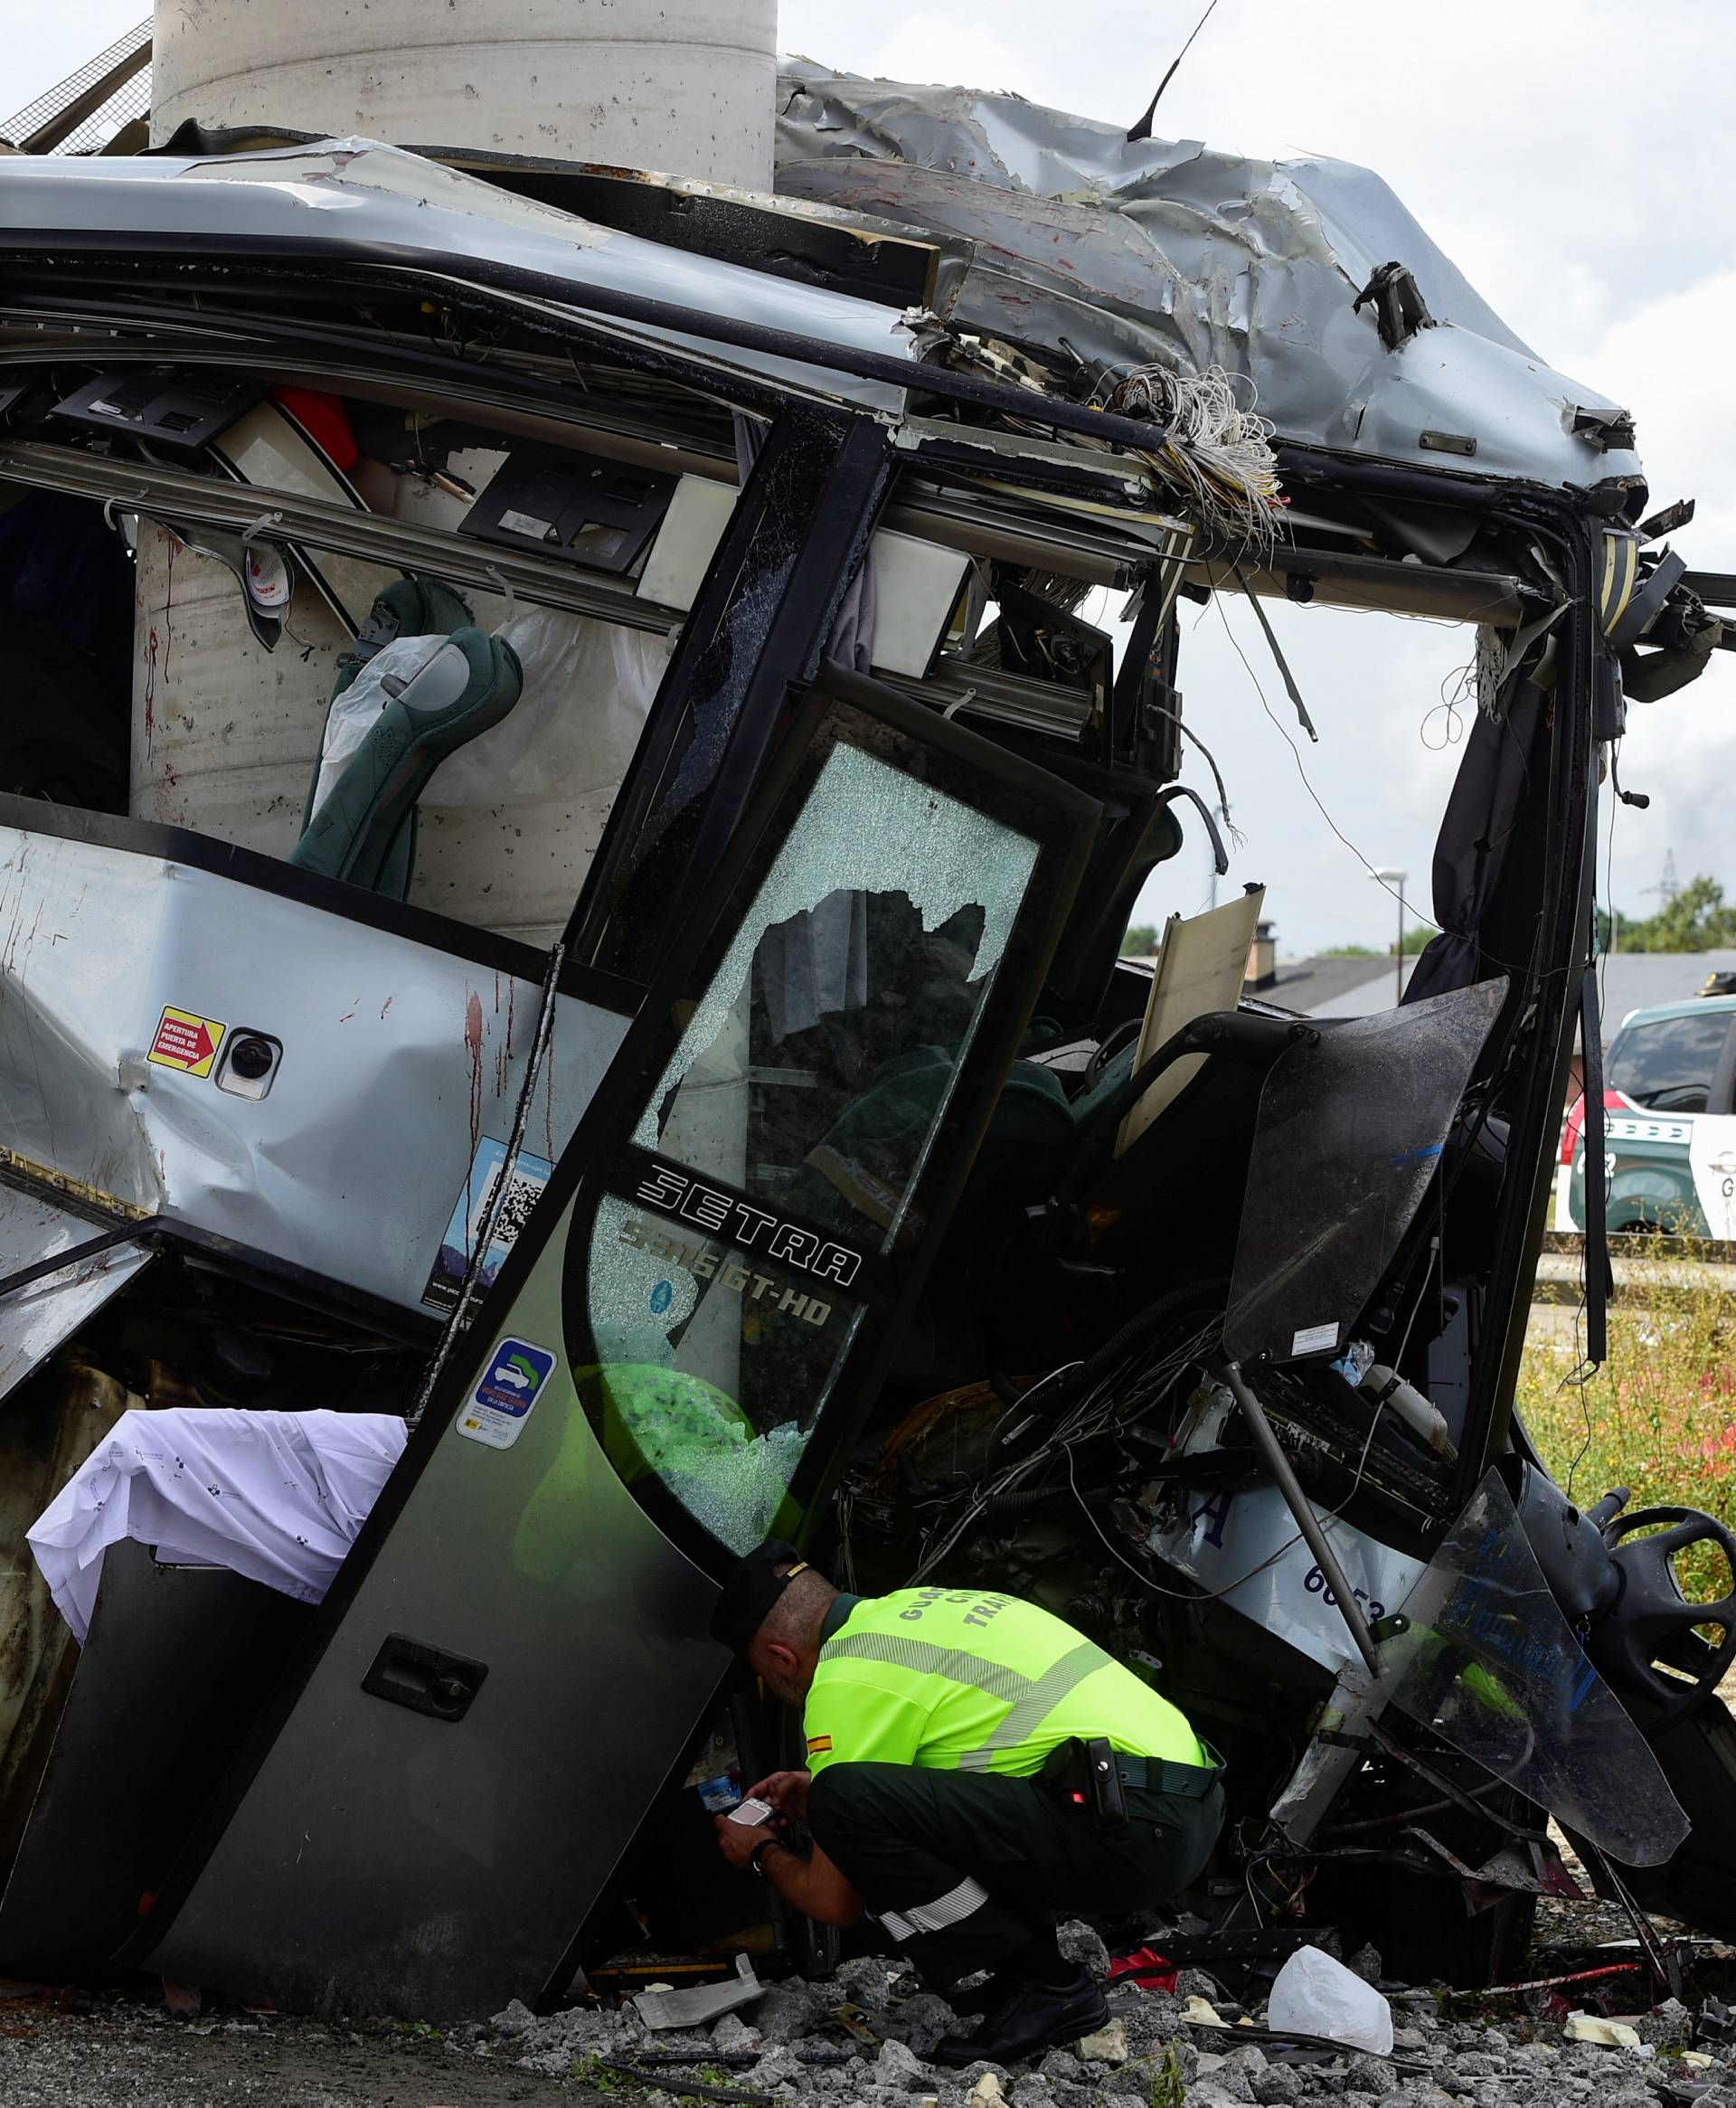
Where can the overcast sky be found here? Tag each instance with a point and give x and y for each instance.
(1572, 156)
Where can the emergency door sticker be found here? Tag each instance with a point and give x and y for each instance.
(530, 1176)
(186, 1041)
(501, 1402)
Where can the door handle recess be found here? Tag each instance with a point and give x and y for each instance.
(428, 1679)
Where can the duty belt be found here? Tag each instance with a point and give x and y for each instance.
(1093, 1774)
(1161, 1775)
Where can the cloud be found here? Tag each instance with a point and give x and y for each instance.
(931, 47)
(44, 44)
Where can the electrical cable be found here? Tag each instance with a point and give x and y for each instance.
(1077, 1427)
(1213, 1595)
(1229, 828)
(1296, 753)
(1461, 681)
(1507, 966)
(1084, 1425)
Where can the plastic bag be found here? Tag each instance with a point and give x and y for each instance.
(1315, 1995)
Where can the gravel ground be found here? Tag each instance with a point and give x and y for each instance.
(128, 2053)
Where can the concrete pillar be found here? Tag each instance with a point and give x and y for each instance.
(683, 86)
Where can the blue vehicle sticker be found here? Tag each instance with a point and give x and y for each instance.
(508, 1387)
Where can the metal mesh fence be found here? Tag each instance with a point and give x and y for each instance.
(38, 128)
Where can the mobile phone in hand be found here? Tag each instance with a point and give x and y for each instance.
(751, 1812)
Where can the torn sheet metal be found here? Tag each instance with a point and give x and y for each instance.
(37, 1318)
(1165, 253)
(129, 975)
(385, 204)
(1245, 1547)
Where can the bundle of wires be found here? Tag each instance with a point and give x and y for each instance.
(1120, 1395)
(1215, 453)
(1112, 1390)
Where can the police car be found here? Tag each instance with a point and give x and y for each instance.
(1669, 1121)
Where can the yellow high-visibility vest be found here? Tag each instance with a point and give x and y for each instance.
(967, 1680)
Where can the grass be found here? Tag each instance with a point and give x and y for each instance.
(602, 2078)
(1659, 1417)
(1168, 2087)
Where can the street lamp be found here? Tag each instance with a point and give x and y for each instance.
(1391, 877)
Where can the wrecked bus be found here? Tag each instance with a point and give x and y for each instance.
(585, 953)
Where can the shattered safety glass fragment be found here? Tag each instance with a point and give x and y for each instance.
(1488, 1663)
(716, 1364)
(1350, 1133)
(817, 1066)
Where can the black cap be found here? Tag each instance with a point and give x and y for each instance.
(751, 1591)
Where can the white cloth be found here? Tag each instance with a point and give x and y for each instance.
(278, 1496)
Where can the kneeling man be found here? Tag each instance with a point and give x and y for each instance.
(974, 1766)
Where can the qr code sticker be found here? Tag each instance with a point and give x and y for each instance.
(530, 1178)
(522, 1197)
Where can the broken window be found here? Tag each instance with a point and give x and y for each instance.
(847, 997)
(287, 536)
(1486, 1660)
(810, 1084)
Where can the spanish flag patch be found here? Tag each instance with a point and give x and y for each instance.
(819, 1746)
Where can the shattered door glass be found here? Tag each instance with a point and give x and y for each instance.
(1350, 1133)
(790, 1127)
(1488, 1663)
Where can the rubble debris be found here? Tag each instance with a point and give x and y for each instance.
(1607, 2034)
(694, 2007)
(1527, 2062)
(695, 2089)
(1083, 1944)
(1108, 2045)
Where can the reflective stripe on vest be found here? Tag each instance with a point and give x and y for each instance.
(1030, 1700)
(950, 1909)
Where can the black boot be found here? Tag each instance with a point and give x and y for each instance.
(985, 1997)
(1032, 2018)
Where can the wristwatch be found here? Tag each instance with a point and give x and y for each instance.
(759, 1852)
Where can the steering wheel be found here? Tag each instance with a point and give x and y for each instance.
(1118, 1036)
(1652, 1612)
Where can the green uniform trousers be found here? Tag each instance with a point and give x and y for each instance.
(963, 1869)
